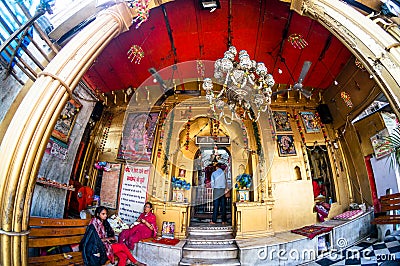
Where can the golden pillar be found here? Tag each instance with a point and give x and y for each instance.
(24, 143)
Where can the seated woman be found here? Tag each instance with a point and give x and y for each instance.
(106, 234)
(146, 227)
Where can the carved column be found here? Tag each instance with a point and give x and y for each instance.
(24, 143)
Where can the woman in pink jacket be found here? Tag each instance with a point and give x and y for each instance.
(146, 227)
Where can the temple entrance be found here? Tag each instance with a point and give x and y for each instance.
(202, 199)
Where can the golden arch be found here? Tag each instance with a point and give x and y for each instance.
(24, 142)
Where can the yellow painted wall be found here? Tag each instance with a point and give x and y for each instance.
(293, 198)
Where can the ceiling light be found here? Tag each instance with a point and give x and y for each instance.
(246, 86)
(335, 82)
(280, 71)
(206, 4)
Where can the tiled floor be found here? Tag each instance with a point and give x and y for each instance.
(368, 252)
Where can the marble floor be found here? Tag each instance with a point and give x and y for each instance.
(369, 252)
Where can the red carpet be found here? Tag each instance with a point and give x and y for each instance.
(166, 241)
(311, 231)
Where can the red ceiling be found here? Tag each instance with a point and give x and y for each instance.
(256, 26)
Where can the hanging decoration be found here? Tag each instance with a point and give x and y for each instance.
(300, 129)
(244, 132)
(303, 144)
(258, 140)
(168, 143)
(142, 9)
(187, 135)
(297, 41)
(246, 89)
(162, 131)
(359, 65)
(102, 166)
(215, 128)
(346, 98)
(329, 146)
(189, 115)
(200, 68)
(135, 54)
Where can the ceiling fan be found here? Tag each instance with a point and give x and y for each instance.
(298, 86)
(169, 90)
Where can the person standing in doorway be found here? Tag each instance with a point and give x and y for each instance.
(218, 184)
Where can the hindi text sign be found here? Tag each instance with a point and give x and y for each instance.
(133, 192)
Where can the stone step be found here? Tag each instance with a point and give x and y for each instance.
(210, 230)
(224, 251)
(209, 262)
(219, 239)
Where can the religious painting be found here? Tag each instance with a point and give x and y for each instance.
(57, 148)
(168, 229)
(381, 144)
(138, 137)
(182, 173)
(311, 122)
(286, 145)
(281, 120)
(64, 125)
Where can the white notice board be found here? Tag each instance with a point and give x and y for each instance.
(133, 192)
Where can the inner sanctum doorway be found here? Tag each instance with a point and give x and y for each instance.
(202, 198)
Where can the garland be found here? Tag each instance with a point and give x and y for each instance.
(142, 9)
(187, 135)
(300, 129)
(188, 128)
(168, 142)
(257, 138)
(162, 131)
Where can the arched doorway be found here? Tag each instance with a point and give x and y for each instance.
(202, 198)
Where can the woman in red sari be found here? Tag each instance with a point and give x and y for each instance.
(145, 227)
(107, 236)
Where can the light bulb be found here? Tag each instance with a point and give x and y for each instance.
(279, 71)
(335, 82)
(371, 76)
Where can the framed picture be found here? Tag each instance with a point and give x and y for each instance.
(110, 185)
(168, 230)
(286, 145)
(182, 173)
(137, 137)
(310, 121)
(64, 125)
(380, 144)
(281, 120)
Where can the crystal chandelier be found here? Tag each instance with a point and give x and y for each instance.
(246, 86)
